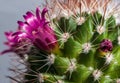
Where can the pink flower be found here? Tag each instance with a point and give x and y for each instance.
(17, 43)
(38, 30)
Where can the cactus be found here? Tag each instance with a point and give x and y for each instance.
(69, 41)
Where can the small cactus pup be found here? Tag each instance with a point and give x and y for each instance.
(68, 41)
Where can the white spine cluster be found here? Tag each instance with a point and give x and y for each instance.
(66, 13)
(51, 58)
(118, 40)
(117, 18)
(100, 29)
(109, 58)
(80, 20)
(26, 57)
(41, 78)
(72, 65)
(97, 74)
(65, 37)
(86, 47)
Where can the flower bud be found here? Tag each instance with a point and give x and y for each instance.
(106, 45)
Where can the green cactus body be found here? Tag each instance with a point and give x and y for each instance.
(89, 48)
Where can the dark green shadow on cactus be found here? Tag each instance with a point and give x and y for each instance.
(71, 48)
(81, 74)
(61, 65)
(67, 25)
(87, 59)
(84, 31)
(112, 28)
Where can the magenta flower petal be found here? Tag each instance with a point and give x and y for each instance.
(38, 30)
(22, 25)
(8, 33)
(30, 14)
(31, 19)
(38, 14)
(17, 43)
(43, 13)
(6, 51)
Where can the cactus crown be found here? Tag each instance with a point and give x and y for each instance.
(71, 41)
